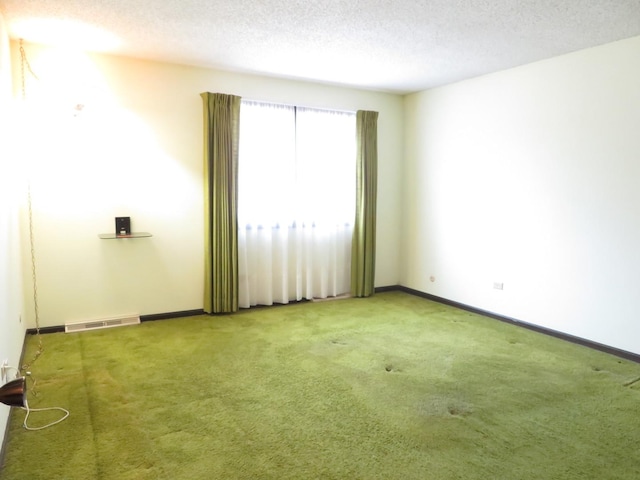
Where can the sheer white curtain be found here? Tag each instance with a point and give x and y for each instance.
(296, 203)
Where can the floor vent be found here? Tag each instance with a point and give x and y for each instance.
(103, 323)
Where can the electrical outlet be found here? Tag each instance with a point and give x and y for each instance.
(498, 285)
(4, 370)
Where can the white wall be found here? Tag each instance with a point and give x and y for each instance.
(136, 150)
(530, 177)
(11, 328)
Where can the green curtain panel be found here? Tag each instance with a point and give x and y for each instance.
(221, 121)
(363, 248)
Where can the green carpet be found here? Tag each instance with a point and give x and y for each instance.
(390, 387)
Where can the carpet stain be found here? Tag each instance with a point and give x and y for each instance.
(457, 411)
(445, 406)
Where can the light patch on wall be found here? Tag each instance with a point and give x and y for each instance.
(67, 82)
(56, 82)
(65, 33)
(106, 160)
(86, 154)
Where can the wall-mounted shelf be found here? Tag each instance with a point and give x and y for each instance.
(109, 236)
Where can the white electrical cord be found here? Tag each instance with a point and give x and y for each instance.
(29, 410)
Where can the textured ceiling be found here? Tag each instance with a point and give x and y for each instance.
(397, 46)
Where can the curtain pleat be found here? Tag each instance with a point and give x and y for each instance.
(221, 135)
(363, 247)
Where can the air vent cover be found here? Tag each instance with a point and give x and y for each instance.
(102, 323)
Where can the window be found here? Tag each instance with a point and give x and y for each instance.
(296, 202)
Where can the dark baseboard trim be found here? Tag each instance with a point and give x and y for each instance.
(634, 357)
(388, 288)
(143, 318)
(165, 316)
(44, 330)
(5, 440)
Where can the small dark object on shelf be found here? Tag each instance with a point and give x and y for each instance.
(123, 226)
